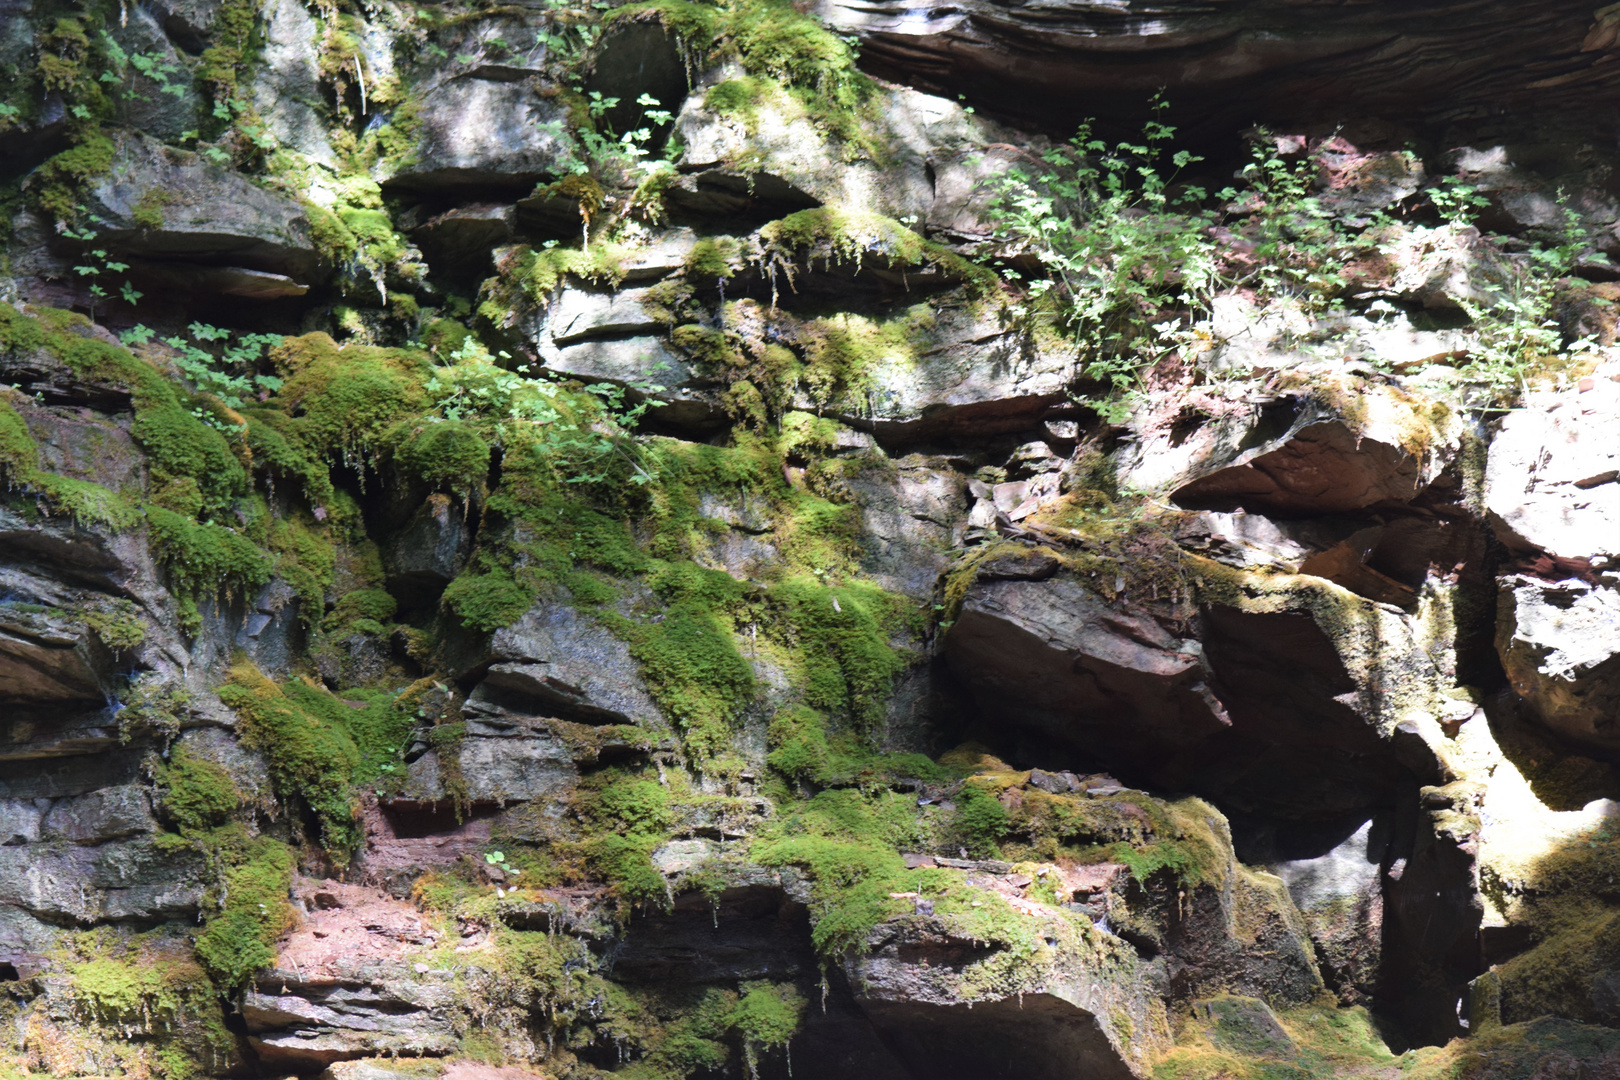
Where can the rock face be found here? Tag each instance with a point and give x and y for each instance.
(616, 541)
(1552, 493)
(205, 214)
(1066, 63)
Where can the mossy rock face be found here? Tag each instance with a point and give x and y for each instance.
(1245, 1026)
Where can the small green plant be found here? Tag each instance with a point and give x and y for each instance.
(229, 377)
(579, 434)
(1121, 245)
(495, 858)
(1517, 333)
(1458, 201)
(99, 266)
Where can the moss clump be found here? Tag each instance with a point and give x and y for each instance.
(981, 821)
(61, 180)
(771, 38)
(176, 442)
(444, 454)
(851, 237)
(487, 596)
(344, 399)
(802, 748)
(148, 989)
(194, 793)
(207, 558)
(249, 909)
(311, 757)
(319, 744)
(627, 818)
(82, 500)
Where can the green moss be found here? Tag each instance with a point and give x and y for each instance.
(850, 237)
(207, 558)
(766, 1015)
(146, 992)
(773, 39)
(345, 398)
(148, 209)
(486, 597)
(447, 455)
(61, 180)
(194, 793)
(981, 820)
(249, 911)
(715, 258)
(176, 442)
(82, 500)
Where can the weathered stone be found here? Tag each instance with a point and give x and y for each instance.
(484, 130)
(526, 764)
(210, 215)
(428, 552)
(117, 880)
(1058, 65)
(286, 85)
(19, 821)
(105, 814)
(1550, 478)
(1068, 664)
(1351, 443)
(1560, 644)
(50, 660)
(458, 242)
(1340, 895)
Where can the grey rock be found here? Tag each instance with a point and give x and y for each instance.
(272, 631)
(117, 880)
(49, 660)
(458, 242)
(46, 769)
(214, 214)
(19, 821)
(106, 814)
(522, 767)
(1071, 665)
(286, 85)
(909, 507)
(143, 103)
(485, 132)
(1560, 644)
(1340, 896)
(429, 551)
(558, 661)
(1549, 483)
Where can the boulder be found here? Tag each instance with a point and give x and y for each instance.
(499, 760)
(1343, 443)
(489, 128)
(1052, 657)
(1340, 895)
(777, 155)
(1552, 477)
(286, 86)
(51, 659)
(1552, 493)
(1081, 1005)
(1560, 644)
(208, 215)
(104, 814)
